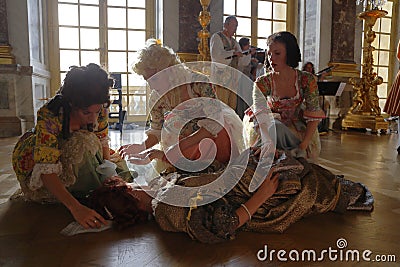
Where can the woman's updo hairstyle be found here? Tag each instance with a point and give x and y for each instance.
(293, 54)
(85, 86)
(82, 87)
(154, 56)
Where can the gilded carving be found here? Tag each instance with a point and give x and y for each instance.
(365, 111)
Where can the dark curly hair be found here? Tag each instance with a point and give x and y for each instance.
(293, 54)
(113, 201)
(85, 86)
(82, 87)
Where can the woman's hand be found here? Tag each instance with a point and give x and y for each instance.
(155, 154)
(131, 149)
(146, 157)
(270, 184)
(263, 193)
(86, 217)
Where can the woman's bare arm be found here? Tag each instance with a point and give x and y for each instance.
(310, 129)
(265, 191)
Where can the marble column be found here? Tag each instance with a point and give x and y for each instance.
(17, 84)
(188, 27)
(181, 34)
(344, 42)
(13, 80)
(344, 19)
(9, 123)
(5, 49)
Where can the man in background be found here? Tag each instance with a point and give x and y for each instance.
(226, 50)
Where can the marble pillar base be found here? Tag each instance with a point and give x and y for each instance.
(10, 126)
(16, 99)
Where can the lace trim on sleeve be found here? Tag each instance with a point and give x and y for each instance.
(74, 151)
(312, 119)
(104, 141)
(317, 115)
(43, 168)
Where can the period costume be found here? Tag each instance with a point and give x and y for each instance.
(304, 189)
(182, 110)
(221, 50)
(392, 105)
(44, 150)
(293, 112)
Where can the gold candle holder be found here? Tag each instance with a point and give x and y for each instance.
(204, 34)
(365, 111)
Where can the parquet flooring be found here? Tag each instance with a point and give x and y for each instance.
(29, 233)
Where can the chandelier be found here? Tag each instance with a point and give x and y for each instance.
(371, 4)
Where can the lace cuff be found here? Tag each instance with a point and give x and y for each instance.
(312, 119)
(43, 168)
(210, 125)
(316, 115)
(104, 141)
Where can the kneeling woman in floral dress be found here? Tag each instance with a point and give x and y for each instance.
(59, 159)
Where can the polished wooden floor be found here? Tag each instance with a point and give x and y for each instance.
(30, 233)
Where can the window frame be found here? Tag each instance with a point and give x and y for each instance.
(54, 49)
(291, 18)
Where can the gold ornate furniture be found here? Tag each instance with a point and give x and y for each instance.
(365, 111)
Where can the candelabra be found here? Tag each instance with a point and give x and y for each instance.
(365, 111)
(204, 34)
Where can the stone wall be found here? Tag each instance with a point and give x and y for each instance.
(181, 34)
(24, 85)
(343, 31)
(189, 25)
